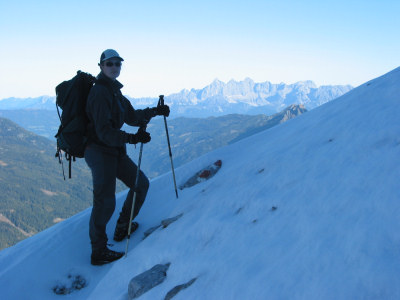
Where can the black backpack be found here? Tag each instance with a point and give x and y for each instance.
(71, 97)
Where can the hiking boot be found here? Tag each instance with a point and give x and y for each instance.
(121, 230)
(104, 256)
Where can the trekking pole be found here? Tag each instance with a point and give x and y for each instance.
(134, 194)
(161, 102)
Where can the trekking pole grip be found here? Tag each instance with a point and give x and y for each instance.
(161, 100)
(142, 128)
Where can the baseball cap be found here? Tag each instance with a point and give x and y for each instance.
(109, 53)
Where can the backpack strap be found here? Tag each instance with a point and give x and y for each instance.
(69, 158)
(58, 111)
(70, 168)
(59, 155)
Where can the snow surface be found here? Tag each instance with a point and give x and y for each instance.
(333, 176)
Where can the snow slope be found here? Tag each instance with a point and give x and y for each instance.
(309, 209)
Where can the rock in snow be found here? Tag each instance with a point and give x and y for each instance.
(147, 280)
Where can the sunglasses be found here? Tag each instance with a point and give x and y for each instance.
(110, 64)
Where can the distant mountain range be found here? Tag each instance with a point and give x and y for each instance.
(248, 97)
(43, 102)
(219, 98)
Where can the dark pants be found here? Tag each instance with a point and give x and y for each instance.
(106, 168)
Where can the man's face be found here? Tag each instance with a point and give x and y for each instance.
(111, 68)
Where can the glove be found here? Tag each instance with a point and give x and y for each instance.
(161, 110)
(140, 137)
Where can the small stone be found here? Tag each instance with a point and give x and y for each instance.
(150, 231)
(165, 223)
(172, 293)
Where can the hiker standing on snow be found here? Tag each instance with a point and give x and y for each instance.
(105, 154)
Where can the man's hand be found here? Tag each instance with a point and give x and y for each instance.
(161, 110)
(140, 137)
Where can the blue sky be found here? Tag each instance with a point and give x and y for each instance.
(172, 45)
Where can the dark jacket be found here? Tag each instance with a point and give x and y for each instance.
(107, 110)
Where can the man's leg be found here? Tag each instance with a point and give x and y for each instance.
(103, 169)
(126, 172)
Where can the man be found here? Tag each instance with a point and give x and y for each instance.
(105, 154)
